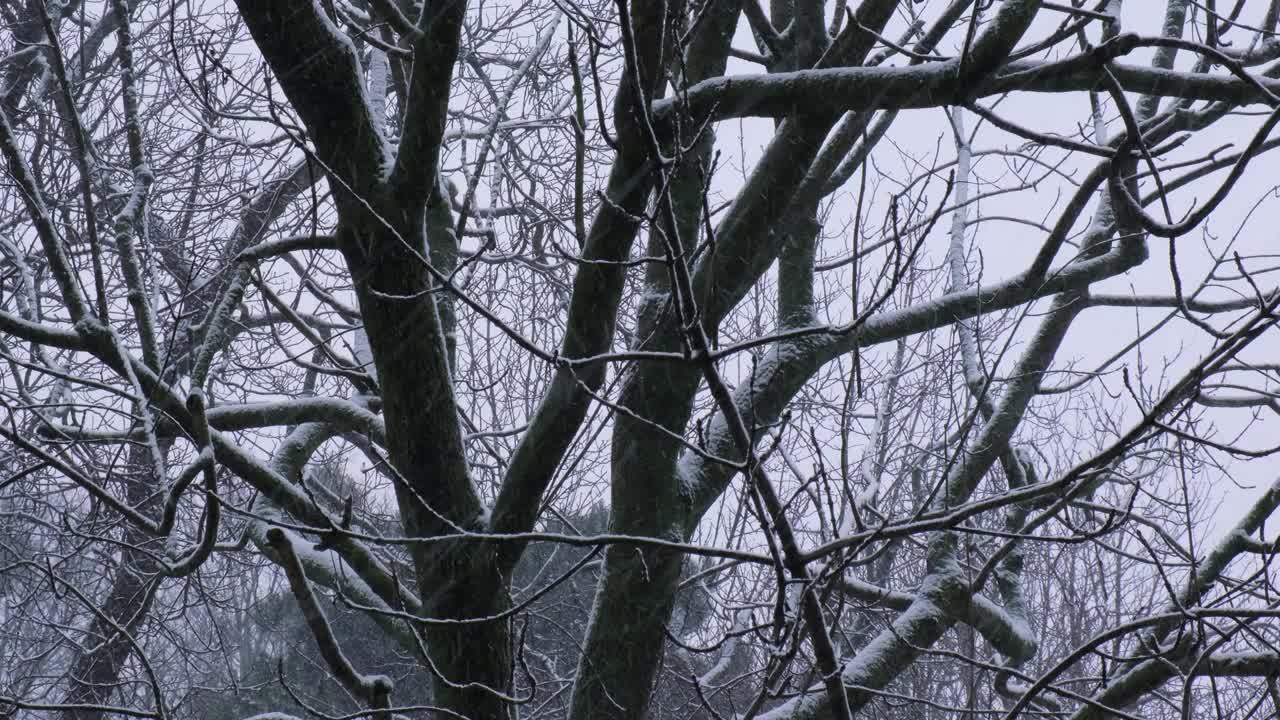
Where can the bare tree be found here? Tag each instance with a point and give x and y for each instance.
(664, 358)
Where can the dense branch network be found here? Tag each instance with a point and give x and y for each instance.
(800, 359)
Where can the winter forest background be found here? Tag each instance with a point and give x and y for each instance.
(633, 359)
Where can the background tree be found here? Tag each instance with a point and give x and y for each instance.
(637, 359)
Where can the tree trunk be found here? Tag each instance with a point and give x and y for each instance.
(95, 671)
